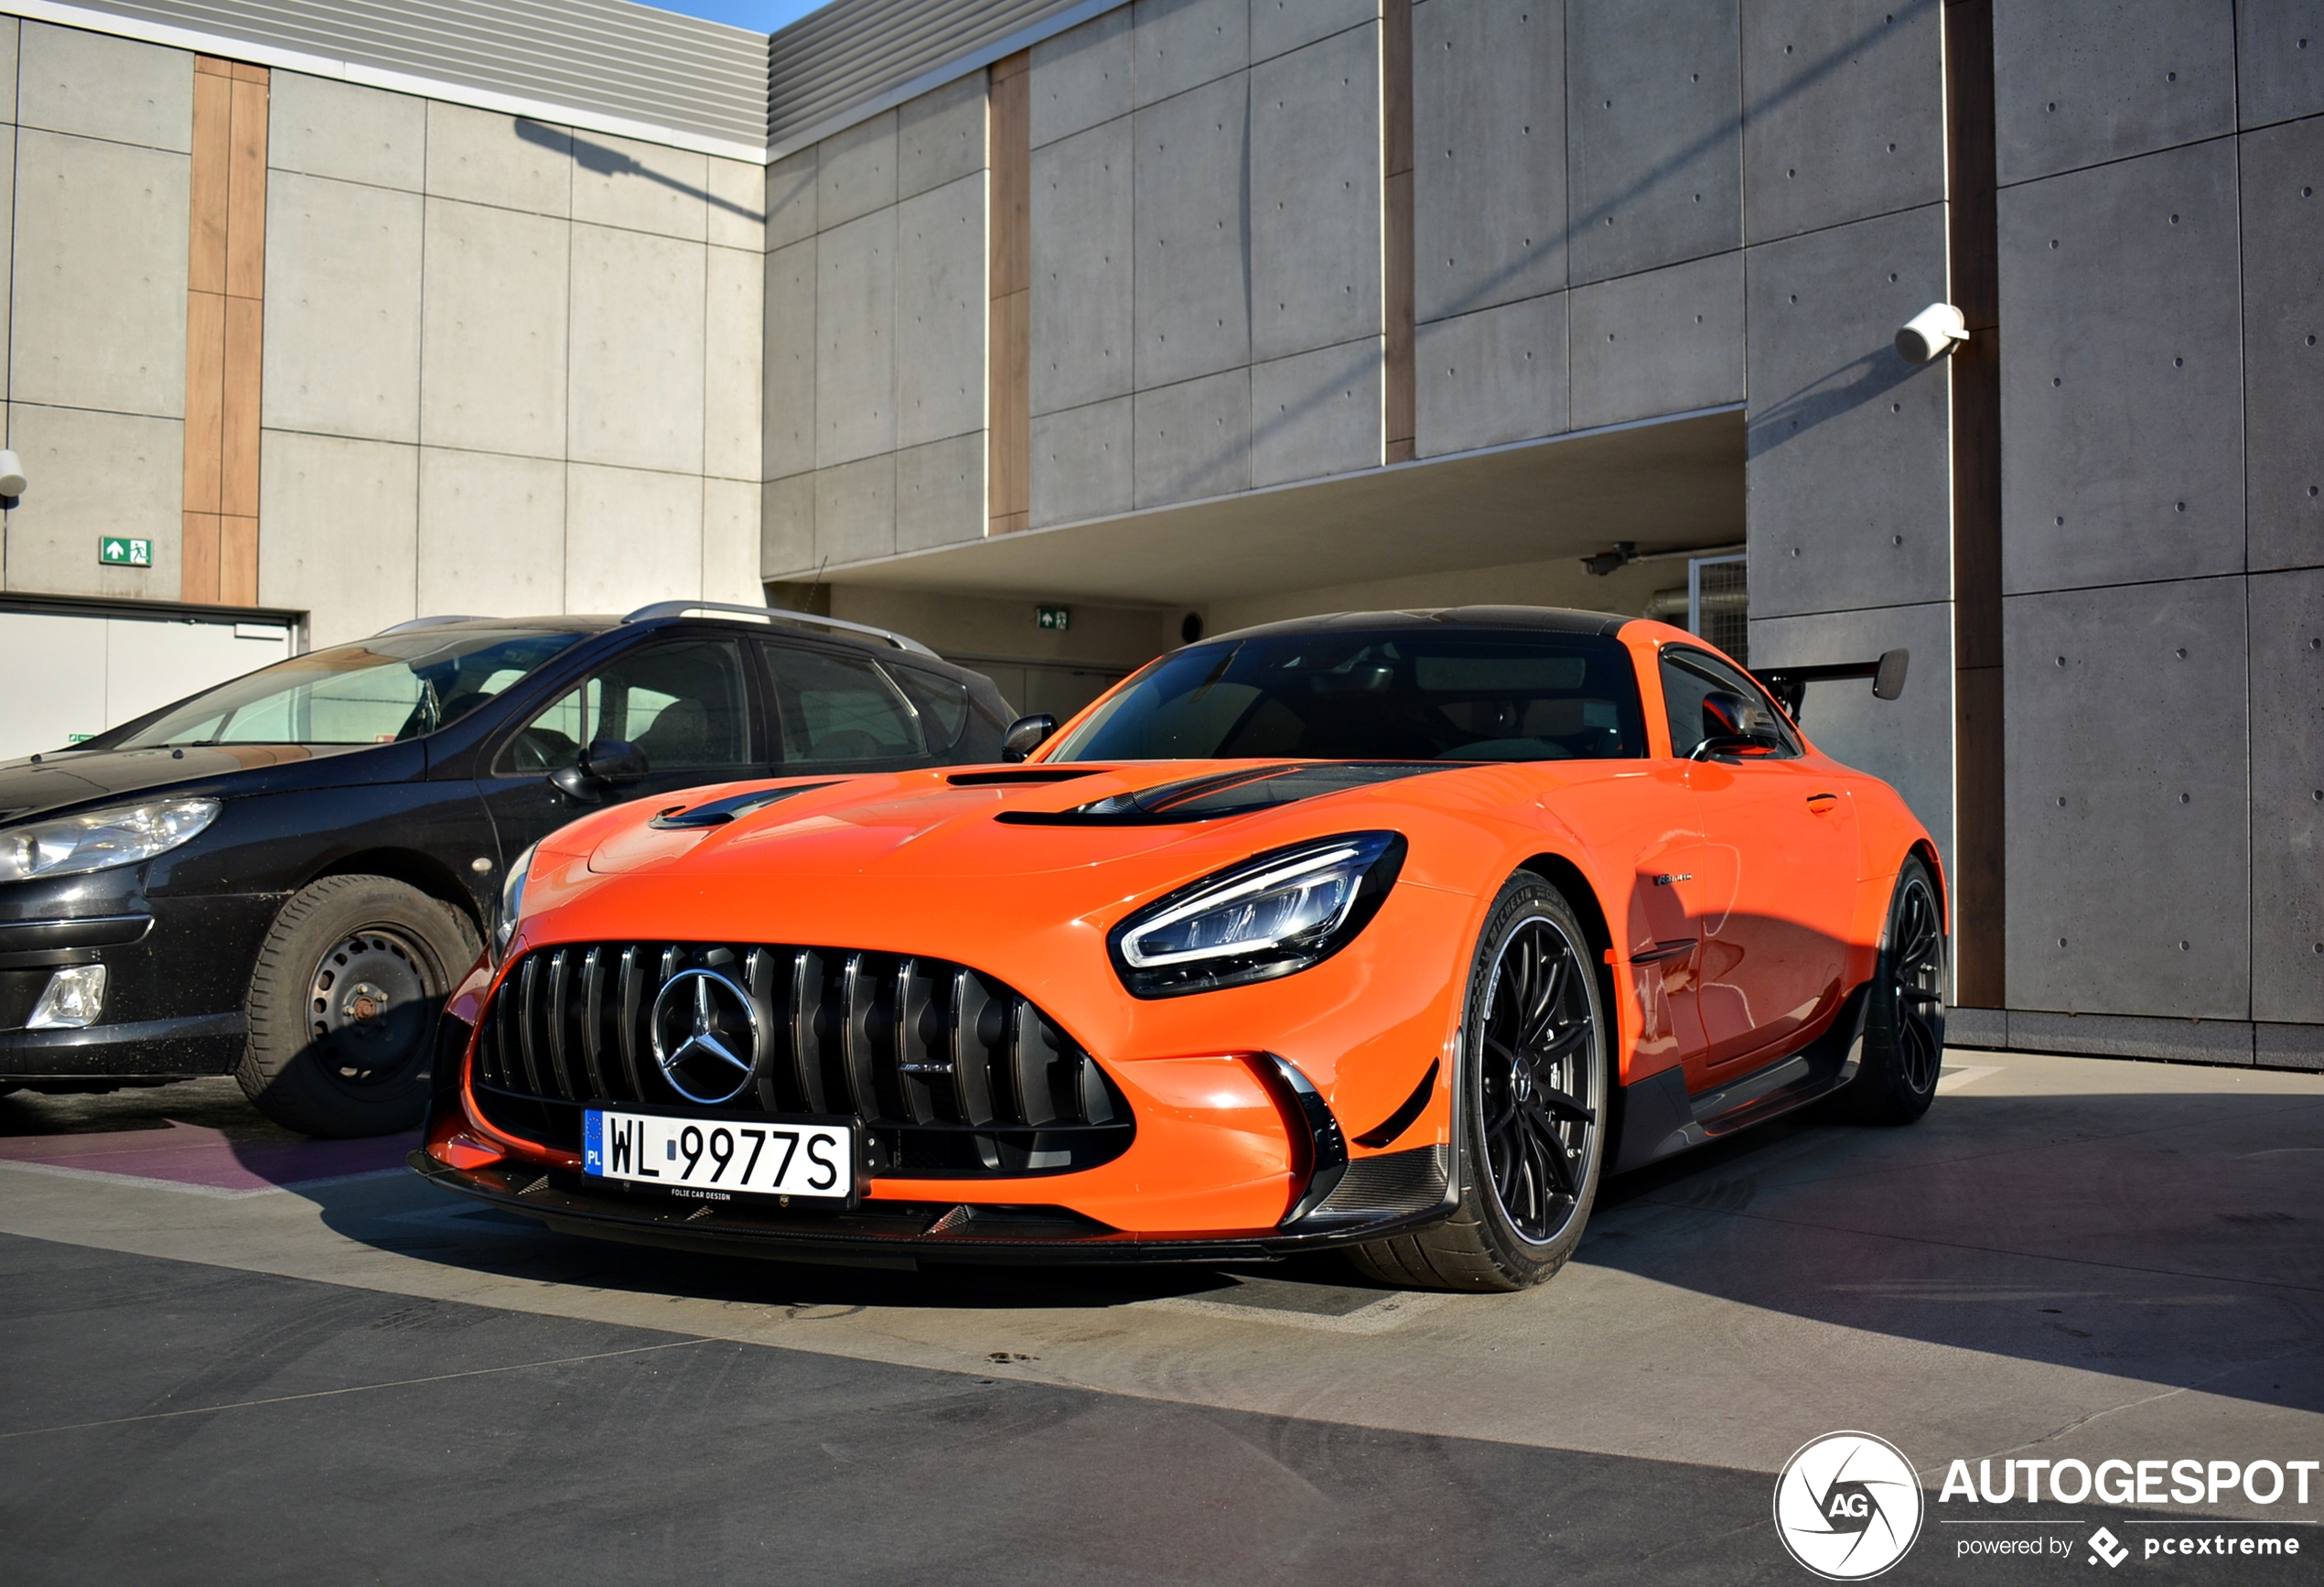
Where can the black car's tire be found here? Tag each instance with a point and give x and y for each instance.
(1530, 1089)
(1904, 1010)
(343, 1002)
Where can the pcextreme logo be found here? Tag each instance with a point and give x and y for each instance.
(1847, 1505)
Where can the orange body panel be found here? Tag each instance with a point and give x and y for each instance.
(1788, 915)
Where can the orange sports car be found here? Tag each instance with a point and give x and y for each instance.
(1389, 931)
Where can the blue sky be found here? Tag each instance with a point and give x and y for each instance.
(759, 16)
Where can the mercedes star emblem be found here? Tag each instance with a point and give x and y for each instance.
(706, 1037)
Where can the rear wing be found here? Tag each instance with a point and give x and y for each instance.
(1790, 684)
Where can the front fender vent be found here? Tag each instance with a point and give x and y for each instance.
(952, 1074)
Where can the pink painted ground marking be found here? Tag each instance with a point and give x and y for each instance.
(194, 1154)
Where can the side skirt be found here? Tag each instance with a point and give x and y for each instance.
(1660, 1119)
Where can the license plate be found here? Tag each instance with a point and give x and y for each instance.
(712, 1158)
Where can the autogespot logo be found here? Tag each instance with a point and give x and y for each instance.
(1847, 1505)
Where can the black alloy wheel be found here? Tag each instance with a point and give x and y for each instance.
(1530, 1094)
(1904, 1017)
(1537, 1048)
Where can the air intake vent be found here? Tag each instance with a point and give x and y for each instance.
(953, 1074)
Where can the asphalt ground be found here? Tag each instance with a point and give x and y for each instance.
(233, 1355)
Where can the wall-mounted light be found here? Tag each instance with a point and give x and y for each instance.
(12, 480)
(1931, 334)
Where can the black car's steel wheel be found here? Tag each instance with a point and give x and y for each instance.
(1529, 1091)
(1904, 1017)
(370, 1005)
(343, 1002)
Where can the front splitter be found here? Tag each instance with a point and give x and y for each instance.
(910, 1232)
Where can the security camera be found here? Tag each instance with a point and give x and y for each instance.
(1624, 553)
(12, 480)
(1931, 334)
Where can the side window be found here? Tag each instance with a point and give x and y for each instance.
(941, 702)
(682, 705)
(1707, 698)
(839, 709)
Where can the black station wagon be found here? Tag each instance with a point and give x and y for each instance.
(282, 876)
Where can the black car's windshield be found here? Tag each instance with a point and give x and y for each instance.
(386, 688)
(1408, 695)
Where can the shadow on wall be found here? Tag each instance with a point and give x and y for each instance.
(1486, 290)
(1829, 396)
(606, 161)
(1847, 387)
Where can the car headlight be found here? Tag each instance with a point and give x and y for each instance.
(121, 836)
(1274, 914)
(511, 902)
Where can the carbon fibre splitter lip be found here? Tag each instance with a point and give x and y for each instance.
(930, 1232)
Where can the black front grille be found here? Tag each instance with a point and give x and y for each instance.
(952, 1074)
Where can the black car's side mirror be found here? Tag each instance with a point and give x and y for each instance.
(604, 762)
(1025, 735)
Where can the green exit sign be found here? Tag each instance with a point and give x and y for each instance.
(120, 551)
(1055, 616)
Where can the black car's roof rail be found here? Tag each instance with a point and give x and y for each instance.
(427, 622)
(662, 609)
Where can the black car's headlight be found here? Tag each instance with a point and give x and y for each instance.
(70, 845)
(511, 902)
(1272, 915)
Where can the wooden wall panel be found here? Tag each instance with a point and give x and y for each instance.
(205, 395)
(1010, 332)
(225, 323)
(213, 111)
(238, 454)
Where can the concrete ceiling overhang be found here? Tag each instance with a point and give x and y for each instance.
(1667, 484)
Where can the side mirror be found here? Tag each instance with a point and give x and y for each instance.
(602, 763)
(1025, 735)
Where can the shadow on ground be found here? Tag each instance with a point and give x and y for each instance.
(2171, 1236)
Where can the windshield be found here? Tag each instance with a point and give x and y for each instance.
(1351, 695)
(387, 688)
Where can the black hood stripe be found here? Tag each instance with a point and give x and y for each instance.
(1225, 794)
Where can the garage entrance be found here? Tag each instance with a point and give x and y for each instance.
(101, 664)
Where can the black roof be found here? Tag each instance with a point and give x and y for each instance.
(1541, 619)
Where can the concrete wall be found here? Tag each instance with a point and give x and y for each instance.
(1849, 462)
(874, 365)
(1207, 284)
(1601, 207)
(508, 368)
(100, 131)
(2161, 290)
